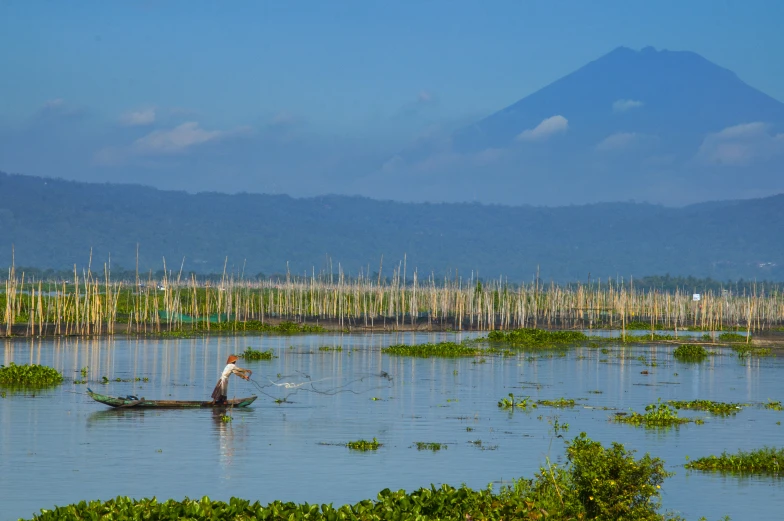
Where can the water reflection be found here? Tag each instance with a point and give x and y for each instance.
(272, 451)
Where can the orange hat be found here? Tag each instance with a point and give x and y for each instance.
(232, 359)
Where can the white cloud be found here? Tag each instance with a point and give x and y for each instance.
(138, 118)
(545, 129)
(178, 139)
(622, 105)
(741, 145)
(617, 141)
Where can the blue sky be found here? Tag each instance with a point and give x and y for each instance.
(366, 73)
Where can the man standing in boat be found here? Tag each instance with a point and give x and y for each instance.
(220, 393)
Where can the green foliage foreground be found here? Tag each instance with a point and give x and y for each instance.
(29, 376)
(596, 482)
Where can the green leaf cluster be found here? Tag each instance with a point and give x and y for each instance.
(656, 415)
(761, 461)
(718, 408)
(441, 350)
(690, 352)
(31, 375)
(530, 337)
(254, 354)
(595, 483)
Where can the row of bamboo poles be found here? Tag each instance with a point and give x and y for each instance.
(95, 305)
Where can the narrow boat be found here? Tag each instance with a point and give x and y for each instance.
(134, 401)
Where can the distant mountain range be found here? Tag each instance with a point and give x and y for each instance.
(658, 126)
(54, 224)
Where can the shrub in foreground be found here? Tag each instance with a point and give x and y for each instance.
(596, 482)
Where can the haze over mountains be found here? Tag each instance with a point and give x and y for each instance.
(658, 126)
(55, 224)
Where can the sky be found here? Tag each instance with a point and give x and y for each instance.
(284, 94)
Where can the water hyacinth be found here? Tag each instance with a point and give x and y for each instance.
(656, 415)
(690, 352)
(31, 375)
(441, 349)
(595, 482)
(761, 461)
(253, 354)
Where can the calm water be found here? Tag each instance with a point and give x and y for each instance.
(58, 447)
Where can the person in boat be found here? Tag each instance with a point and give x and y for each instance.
(220, 393)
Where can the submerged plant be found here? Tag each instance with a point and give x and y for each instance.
(441, 349)
(656, 415)
(763, 461)
(364, 445)
(253, 354)
(31, 375)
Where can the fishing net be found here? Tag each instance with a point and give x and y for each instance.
(285, 386)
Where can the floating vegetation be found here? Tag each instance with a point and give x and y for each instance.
(776, 406)
(511, 403)
(761, 461)
(105, 380)
(331, 348)
(31, 375)
(364, 445)
(718, 408)
(226, 418)
(732, 337)
(596, 392)
(656, 415)
(441, 349)
(479, 444)
(637, 325)
(595, 482)
(253, 354)
(435, 447)
(560, 402)
(746, 350)
(529, 337)
(690, 352)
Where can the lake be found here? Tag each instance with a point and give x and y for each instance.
(59, 446)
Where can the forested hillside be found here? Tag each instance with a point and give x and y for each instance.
(54, 224)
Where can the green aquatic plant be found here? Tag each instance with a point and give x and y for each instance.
(773, 405)
(435, 447)
(760, 461)
(637, 325)
(31, 375)
(560, 402)
(441, 349)
(690, 352)
(254, 354)
(732, 337)
(594, 483)
(226, 418)
(364, 445)
(718, 408)
(656, 415)
(511, 403)
(529, 337)
(746, 350)
(331, 348)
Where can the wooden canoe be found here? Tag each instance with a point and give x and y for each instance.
(133, 401)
